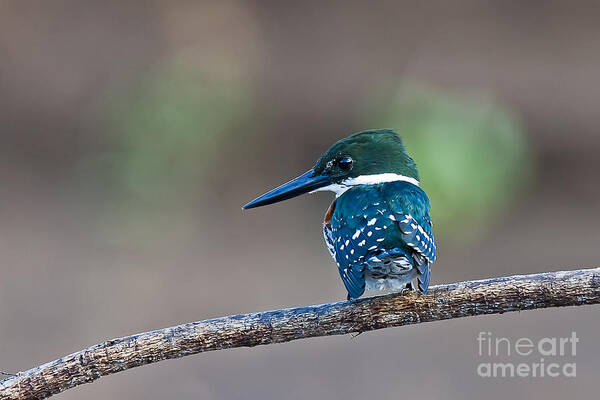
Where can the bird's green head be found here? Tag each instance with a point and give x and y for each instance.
(367, 153)
(365, 158)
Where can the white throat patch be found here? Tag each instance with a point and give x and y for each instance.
(340, 188)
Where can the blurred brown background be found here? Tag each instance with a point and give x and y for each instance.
(132, 132)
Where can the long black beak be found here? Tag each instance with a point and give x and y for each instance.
(305, 183)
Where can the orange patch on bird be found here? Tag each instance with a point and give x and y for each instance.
(329, 213)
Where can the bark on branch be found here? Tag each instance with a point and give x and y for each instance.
(456, 300)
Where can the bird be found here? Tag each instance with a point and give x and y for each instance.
(378, 228)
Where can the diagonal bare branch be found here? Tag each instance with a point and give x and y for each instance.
(456, 300)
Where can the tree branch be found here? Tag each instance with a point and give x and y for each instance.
(463, 299)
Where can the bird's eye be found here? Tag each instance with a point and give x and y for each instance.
(345, 162)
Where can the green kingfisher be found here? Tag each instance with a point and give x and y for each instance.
(378, 229)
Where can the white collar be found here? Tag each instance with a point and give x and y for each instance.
(339, 188)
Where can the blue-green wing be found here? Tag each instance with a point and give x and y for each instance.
(410, 208)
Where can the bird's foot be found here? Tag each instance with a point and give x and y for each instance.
(408, 288)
